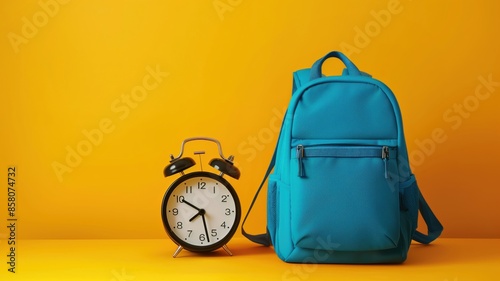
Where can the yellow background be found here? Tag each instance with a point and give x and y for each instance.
(226, 69)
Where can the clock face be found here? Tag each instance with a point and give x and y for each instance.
(201, 211)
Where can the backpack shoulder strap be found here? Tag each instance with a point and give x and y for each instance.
(300, 78)
(264, 238)
(434, 227)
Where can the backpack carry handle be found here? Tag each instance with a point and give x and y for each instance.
(316, 68)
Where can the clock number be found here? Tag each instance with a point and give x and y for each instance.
(180, 199)
(214, 232)
(223, 225)
(189, 189)
(179, 225)
(190, 232)
(175, 211)
(201, 185)
(228, 212)
(224, 198)
(202, 237)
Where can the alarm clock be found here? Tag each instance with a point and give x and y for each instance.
(201, 210)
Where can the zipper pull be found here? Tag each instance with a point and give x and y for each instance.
(300, 156)
(385, 156)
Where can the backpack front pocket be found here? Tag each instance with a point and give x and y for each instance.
(345, 196)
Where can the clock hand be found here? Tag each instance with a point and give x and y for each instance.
(184, 201)
(197, 214)
(205, 225)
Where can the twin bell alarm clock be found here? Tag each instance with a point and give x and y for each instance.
(200, 209)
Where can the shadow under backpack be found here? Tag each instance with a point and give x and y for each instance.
(342, 190)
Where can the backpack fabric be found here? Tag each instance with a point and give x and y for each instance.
(342, 190)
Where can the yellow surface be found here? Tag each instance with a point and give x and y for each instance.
(97, 94)
(127, 260)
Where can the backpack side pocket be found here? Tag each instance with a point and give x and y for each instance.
(409, 194)
(271, 205)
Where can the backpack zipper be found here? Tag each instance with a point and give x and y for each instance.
(300, 156)
(342, 152)
(385, 156)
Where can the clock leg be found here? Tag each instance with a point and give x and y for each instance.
(179, 249)
(227, 250)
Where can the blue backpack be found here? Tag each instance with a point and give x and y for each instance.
(342, 190)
